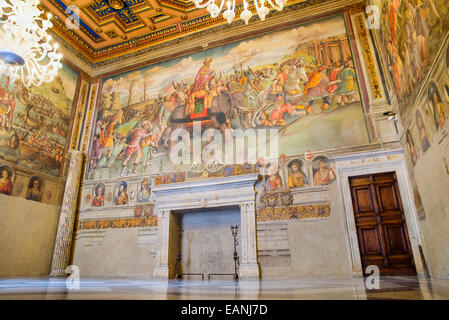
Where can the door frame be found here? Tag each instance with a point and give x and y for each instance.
(373, 163)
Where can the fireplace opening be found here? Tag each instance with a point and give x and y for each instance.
(203, 243)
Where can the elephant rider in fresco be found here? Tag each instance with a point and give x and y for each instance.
(201, 88)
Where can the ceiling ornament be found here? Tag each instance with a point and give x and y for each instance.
(245, 14)
(116, 4)
(27, 51)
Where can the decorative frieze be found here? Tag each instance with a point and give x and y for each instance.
(135, 222)
(369, 61)
(294, 212)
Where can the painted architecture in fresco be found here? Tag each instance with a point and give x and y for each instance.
(410, 31)
(301, 81)
(34, 122)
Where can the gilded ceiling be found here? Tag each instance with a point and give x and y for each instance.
(112, 28)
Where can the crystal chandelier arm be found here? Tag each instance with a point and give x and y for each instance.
(213, 9)
(221, 6)
(5, 8)
(25, 38)
(262, 11)
(204, 5)
(229, 13)
(245, 15)
(279, 4)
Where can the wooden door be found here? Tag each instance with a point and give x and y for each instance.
(381, 228)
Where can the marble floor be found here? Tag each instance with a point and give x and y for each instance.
(398, 288)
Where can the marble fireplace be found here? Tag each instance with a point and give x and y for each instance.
(218, 193)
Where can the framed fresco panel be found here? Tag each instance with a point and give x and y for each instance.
(35, 121)
(300, 81)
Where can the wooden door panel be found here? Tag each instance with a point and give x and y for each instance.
(395, 239)
(370, 241)
(381, 229)
(387, 198)
(364, 202)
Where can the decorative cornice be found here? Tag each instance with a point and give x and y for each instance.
(368, 154)
(209, 184)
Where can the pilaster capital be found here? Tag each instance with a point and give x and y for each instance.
(246, 206)
(163, 213)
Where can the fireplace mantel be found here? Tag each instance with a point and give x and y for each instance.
(210, 193)
(214, 192)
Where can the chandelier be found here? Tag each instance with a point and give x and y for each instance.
(27, 52)
(245, 15)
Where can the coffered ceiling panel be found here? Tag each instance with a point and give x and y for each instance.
(100, 30)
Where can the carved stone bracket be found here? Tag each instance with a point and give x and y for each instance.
(275, 199)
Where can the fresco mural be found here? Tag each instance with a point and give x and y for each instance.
(411, 33)
(323, 173)
(423, 136)
(301, 81)
(98, 200)
(439, 111)
(6, 179)
(272, 178)
(34, 122)
(297, 177)
(144, 193)
(35, 188)
(411, 146)
(121, 197)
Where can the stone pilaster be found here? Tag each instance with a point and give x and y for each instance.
(249, 267)
(162, 268)
(64, 236)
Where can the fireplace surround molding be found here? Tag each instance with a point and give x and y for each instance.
(211, 193)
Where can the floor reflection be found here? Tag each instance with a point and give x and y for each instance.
(322, 289)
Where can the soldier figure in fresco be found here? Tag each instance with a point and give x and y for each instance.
(134, 147)
(316, 88)
(346, 93)
(277, 115)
